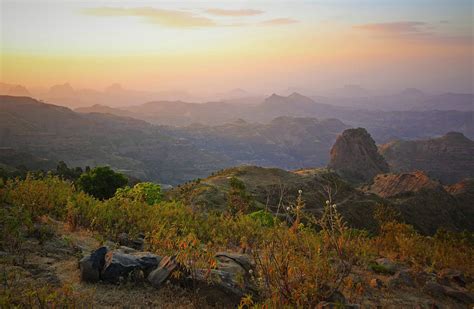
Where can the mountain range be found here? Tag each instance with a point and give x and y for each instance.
(384, 126)
(172, 155)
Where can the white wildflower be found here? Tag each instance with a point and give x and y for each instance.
(300, 191)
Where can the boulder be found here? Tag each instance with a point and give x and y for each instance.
(388, 265)
(167, 265)
(401, 279)
(91, 265)
(137, 243)
(462, 296)
(232, 279)
(119, 266)
(433, 288)
(449, 276)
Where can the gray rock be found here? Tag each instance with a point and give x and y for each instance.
(243, 260)
(123, 239)
(433, 288)
(232, 278)
(402, 278)
(462, 296)
(448, 276)
(122, 266)
(388, 264)
(126, 249)
(137, 243)
(161, 274)
(437, 290)
(91, 265)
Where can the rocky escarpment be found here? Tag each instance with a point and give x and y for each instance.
(424, 202)
(448, 158)
(355, 157)
(391, 185)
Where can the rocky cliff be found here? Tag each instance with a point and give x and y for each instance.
(391, 185)
(355, 157)
(448, 158)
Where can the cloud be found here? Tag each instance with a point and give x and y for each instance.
(168, 18)
(395, 28)
(278, 21)
(243, 12)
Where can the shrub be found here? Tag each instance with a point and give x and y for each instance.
(144, 191)
(263, 217)
(101, 182)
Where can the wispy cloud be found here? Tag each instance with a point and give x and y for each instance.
(278, 21)
(395, 28)
(238, 13)
(167, 18)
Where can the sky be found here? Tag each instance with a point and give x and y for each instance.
(260, 46)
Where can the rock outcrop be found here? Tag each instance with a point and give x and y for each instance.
(355, 156)
(391, 185)
(447, 158)
(231, 279)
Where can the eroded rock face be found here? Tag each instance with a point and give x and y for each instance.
(122, 266)
(447, 158)
(91, 265)
(355, 156)
(159, 275)
(391, 185)
(114, 266)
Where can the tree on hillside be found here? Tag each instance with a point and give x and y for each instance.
(63, 171)
(238, 200)
(102, 182)
(147, 192)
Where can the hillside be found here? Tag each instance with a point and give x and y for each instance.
(129, 145)
(164, 154)
(284, 142)
(61, 247)
(447, 158)
(426, 207)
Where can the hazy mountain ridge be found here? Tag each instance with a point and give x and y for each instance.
(448, 158)
(383, 125)
(164, 154)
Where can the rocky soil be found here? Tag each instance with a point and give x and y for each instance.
(106, 274)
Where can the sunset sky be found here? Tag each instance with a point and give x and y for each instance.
(255, 45)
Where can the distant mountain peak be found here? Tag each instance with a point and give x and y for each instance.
(455, 136)
(62, 89)
(412, 92)
(296, 95)
(115, 87)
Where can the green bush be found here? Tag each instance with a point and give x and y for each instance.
(263, 217)
(102, 182)
(144, 191)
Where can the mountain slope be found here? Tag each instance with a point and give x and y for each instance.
(426, 208)
(448, 158)
(130, 145)
(285, 142)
